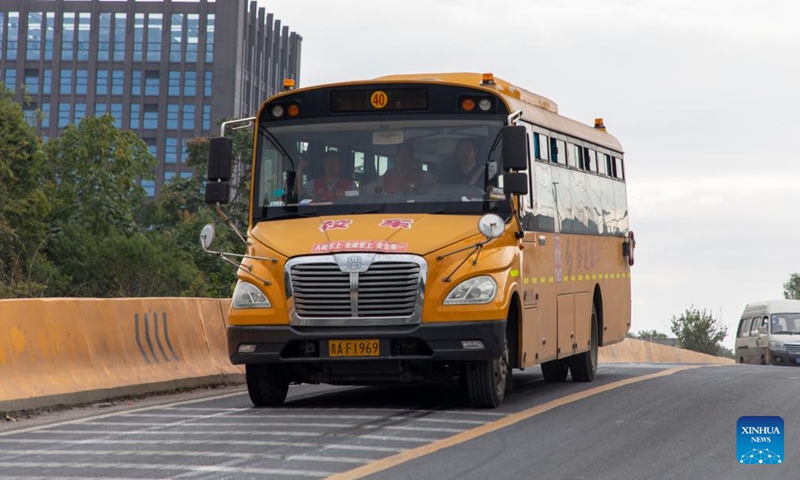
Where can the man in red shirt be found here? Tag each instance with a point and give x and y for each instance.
(331, 185)
(406, 176)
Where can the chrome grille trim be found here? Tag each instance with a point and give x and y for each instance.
(792, 348)
(355, 289)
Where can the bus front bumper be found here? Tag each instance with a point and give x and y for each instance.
(427, 342)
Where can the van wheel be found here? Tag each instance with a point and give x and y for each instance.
(555, 371)
(763, 360)
(267, 385)
(741, 359)
(486, 380)
(584, 365)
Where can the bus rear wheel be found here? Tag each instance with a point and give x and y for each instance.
(584, 365)
(555, 371)
(485, 380)
(267, 385)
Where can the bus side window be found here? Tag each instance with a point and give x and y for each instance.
(619, 172)
(572, 158)
(601, 164)
(560, 153)
(744, 328)
(553, 151)
(609, 166)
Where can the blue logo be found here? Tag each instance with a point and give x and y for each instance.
(759, 440)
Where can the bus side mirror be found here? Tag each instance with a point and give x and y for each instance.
(515, 183)
(515, 148)
(220, 156)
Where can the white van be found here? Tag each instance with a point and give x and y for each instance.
(769, 333)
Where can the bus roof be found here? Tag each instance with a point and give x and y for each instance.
(771, 306)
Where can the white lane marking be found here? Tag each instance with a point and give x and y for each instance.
(183, 453)
(415, 429)
(399, 439)
(81, 477)
(113, 414)
(158, 466)
(186, 441)
(188, 432)
(345, 409)
(224, 424)
(310, 416)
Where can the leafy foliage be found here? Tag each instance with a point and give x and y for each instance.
(699, 331)
(791, 289)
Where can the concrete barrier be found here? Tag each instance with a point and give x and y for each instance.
(69, 351)
(632, 350)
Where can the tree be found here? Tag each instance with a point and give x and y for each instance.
(699, 331)
(24, 269)
(791, 289)
(650, 335)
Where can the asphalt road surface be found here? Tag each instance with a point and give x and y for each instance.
(633, 422)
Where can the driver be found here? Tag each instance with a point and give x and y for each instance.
(467, 170)
(406, 176)
(331, 185)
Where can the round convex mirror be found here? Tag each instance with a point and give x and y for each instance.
(207, 236)
(491, 225)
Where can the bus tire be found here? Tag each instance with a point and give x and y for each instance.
(267, 385)
(486, 380)
(555, 371)
(583, 366)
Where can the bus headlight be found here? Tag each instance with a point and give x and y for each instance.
(777, 346)
(247, 295)
(472, 292)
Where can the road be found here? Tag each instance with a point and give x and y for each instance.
(633, 422)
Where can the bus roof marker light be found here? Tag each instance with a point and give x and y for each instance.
(468, 104)
(293, 110)
(277, 111)
(485, 104)
(288, 84)
(598, 124)
(488, 79)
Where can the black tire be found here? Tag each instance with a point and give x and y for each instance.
(583, 366)
(763, 360)
(486, 380)
(267, 385)
(741, 360)
(555, 371)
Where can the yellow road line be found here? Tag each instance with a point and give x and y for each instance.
(400, 458)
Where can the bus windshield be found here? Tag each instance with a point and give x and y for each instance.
(405, 165)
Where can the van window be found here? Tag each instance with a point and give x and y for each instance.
(744, 327)
(756, 324)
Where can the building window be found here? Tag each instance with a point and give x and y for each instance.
(47, 81)
(49, 34)
(32, 81)
(84, 29)
(13, 35)
(68, 36)
(34, 48)
(192, 37)
(176, 37)
(116, 112)
(136, 83)
(190, 84)
(29, 113)
(100, 109)
(10, 79)
(117, 77)
(154, 26)
(63, 115)
(45, 107)
(206, 117)
(207, 88)
(172, 116)
(66, 82)
(151, 117)
(171, 150)
(2, 32)
(80, 112)
(210, 39)
(151, 83)
(188, 117)
(168, 176)
(104, 39)
(102, 82)
(138, 36)
(149, 187)
(186, 175)
(136, 113)
(81, 81)
(151, 146)
(174, 87)
(119, 36)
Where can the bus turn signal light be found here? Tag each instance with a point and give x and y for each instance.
(293, 110)
(468, 104)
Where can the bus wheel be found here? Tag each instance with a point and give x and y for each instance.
(267, 385)
(584, 365)
(486, 380)
(555, 371)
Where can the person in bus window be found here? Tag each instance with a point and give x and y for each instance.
(468, 169)
(406, 176)
(331, 185)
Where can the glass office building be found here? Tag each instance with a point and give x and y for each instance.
(167, 69)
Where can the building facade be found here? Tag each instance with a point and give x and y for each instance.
(167, 70)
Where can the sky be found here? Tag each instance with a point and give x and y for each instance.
(703, 95)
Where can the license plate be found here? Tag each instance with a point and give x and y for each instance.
(354, 348)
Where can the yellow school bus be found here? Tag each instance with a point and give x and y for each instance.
(422, 228)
